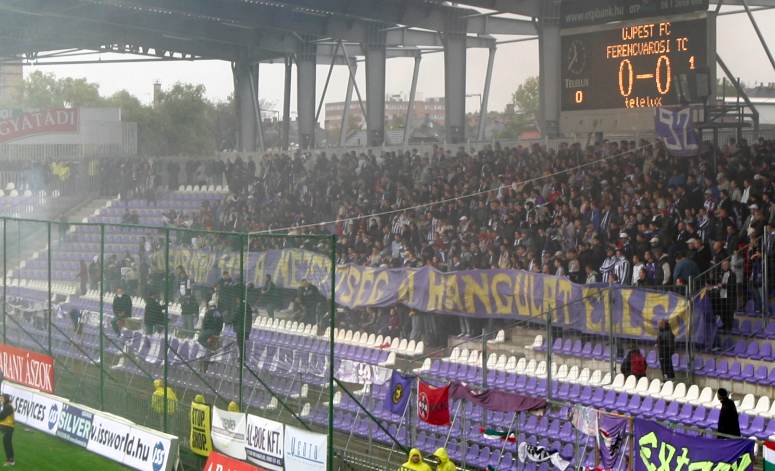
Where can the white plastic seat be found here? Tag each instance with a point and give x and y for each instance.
(391, 360)
(474, 358)
(539, 340)
(582, 378)
(667, 390)
(770, 413)
(410, 346)
(348, 337)
(679, 392)
(463, 355)
(540, 371)
(511, 363)
(426, 366)
(379, 341)
(617, 384)
(747, 404)
(371, 340)
(762, 406)
(530, 369)
(454, 355)
(629, 384)
(654, 387)
(606, 380)
(419, 349)
(642, 386)
(501, 363)
(692, 394)
(595, 378)
(356, 339)
(500, 337)
(706, 397)
(521, 366)
(492, 360)
(562, 373)
(395, 344)
(402, 346)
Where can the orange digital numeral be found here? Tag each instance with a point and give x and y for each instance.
(579, 96)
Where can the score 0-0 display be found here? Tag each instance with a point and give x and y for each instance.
(631, 66)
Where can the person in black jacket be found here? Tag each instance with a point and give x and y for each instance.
(666, 348)
(269, 295)
(727, 296)
(7, 423)
(243, 322)
(728, 421)
(122, 310)
(154, 315)
(189, 310)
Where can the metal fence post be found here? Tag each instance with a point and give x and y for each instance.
(690, 332)
(166, 322)
(549, 346)
(102, 315)
(608, 307)
(331, 338)
(484, 372)
(50, 306)
(5, 277)
(244, 307)
(765, 275)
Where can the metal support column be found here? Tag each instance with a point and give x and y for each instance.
(408, 122)
(549, 52)
(376, 63)
(166, 326)
(759, 33)
(287, 104)
(455, 82)
(102, 316)
(5, 278)
(486, 95)
(245, 325)
(305, 96)
(50, 305)
(344, 127)
(256, 102)
(246, 116)
(328, 80)
(331, 338)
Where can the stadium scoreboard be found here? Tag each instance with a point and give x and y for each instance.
(631, 64)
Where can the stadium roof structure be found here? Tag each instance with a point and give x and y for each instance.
(305, 32)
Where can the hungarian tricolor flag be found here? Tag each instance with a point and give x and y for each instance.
(495, 434)
(769, 456)
(433, 404)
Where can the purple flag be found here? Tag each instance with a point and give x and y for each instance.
(657, 447)
(497, 401)
(676, 129)
(398, 394)
(612, 440)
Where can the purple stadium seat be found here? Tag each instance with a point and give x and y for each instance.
(712, 419)
(562, 391)
(577, 347)
(597, 350)
(740, 348)
(748, 374)
(586, 352)
(752, 351)
(633, 407)
(722, 369)
(651, 359)
(770, 430)
(671, 413)
(621, 402)
(685, 415)
(756, 429)
(735, 371)
(698, 416)
(743, 327)
(765, 351)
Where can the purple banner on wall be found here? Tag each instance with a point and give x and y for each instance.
(498, 401)
(500, 294)
(657, 447)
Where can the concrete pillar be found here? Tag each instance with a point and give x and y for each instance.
(344, 128)
(549, 47)
(246, 115)
(305, 96)
(455, 83)
(287, 104)
(376, 62)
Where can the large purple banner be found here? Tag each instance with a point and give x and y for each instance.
(660, 448)
(503, 294)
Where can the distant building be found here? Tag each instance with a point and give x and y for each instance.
(11, 83)
(428, 110)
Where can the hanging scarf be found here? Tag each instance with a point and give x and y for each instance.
(539, 454)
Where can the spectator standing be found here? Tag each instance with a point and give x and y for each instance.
(415, 462)
(666, 348)
(122, 310)
(189, 311)
(154, 315)
(634, 364)
(7, 424)
(727, 295)
(269, 296)
(445, 464)
(728, 420)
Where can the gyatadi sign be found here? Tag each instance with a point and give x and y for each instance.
(101, 433)
(661, 449)
(504, 294)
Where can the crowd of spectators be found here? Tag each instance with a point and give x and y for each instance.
(624, 213)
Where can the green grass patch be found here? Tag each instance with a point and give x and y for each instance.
(36, 451)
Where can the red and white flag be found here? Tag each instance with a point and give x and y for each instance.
(433, 404)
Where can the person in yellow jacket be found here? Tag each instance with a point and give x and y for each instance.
(445, 464)
(157, 400)
(232, 407)
(415, 462)
(7, 423)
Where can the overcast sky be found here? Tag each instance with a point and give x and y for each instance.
(737, 46)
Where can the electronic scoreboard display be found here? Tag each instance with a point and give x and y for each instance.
(633, 64)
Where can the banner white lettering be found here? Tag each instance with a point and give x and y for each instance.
(101, 433)
(362, 373)
(264, 443)
(304, 451)
(228, 432)
(37, 410)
